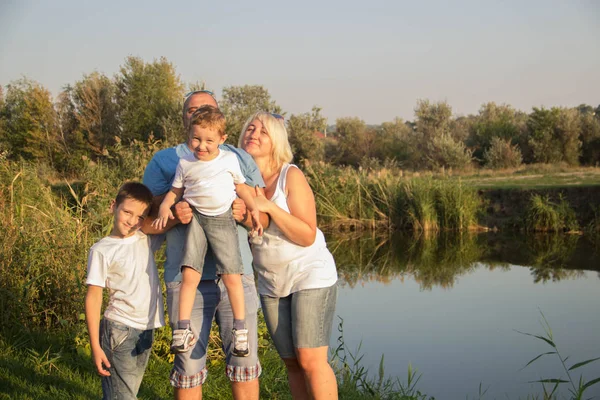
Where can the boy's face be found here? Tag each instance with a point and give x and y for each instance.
(204, 142)
(128, 217)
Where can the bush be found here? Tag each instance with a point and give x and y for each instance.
(502, 154)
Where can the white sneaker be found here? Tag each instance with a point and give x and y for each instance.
(240, 342)
(183, 340)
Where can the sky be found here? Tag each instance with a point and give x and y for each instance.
(368, 59)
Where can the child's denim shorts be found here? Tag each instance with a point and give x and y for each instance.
(221, 233)
(301, 320)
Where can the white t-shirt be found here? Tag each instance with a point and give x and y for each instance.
(209, 185)
(125, 266)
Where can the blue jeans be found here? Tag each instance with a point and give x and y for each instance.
(189, 369)
(220, 232)
(301, 320)
(127, 350)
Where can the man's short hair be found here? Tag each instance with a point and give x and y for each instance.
(209, 117)
(135, 191)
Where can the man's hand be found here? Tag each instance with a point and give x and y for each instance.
(238, 208)
(183, 212)
(101, 362)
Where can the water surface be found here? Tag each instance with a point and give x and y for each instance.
(450, 305)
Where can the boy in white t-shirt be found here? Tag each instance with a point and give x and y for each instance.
(123, 263)
(209, 180)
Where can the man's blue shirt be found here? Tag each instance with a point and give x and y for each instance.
(159, 175)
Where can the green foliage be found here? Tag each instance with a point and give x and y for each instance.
(91, 104)
(544, 215)
(149, 97)
(303, 131)
(240, 103)
(501, 154)
(494, 122)
(446, 152)
(554, 135)
(577, 387)
(351, 139)
(29, 123)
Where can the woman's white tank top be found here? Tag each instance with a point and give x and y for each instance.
(284, 267)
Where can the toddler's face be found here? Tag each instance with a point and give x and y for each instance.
(205, 142)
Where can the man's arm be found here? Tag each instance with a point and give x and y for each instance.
(93, 306)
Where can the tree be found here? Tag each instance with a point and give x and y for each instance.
(435, 145)
(240, 103)
(303, 133)
(501, 154)
(395, 141)
(350, 134)
(29, 121)
(590, 138)
(554, 135)
(94, 109)
(493, 121)
(149, 97)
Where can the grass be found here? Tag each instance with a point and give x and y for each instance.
(577, 386)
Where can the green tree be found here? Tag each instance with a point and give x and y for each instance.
(590, 139)
(554, 135)
(493, 121)
(436, 147)
(240, 102)
(303, 131)
(29, 122)
(94, 111)
(350, 135)
(395, 141)
(149, 97)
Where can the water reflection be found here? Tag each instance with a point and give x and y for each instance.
(439, 260)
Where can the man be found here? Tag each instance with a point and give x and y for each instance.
(189, 369)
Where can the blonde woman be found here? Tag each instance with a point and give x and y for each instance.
(296, 272)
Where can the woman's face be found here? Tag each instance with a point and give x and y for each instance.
(257, 141)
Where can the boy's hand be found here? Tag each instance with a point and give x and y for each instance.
(101, 362)
(256, 225)
(183, 212)
(164, 215)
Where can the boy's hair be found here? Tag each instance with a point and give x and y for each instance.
(135, 191)
(209, 117)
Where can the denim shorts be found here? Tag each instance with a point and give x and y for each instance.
(220, 232)
(301, 320)
(189, 369)
(127, 350)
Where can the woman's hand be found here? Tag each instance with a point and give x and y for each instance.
(262, 203)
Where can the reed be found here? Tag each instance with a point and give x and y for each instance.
(545, 215)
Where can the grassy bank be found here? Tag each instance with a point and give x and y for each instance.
(536, 197)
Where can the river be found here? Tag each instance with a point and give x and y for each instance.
(451, 306)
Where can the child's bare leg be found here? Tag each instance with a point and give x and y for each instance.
(187, 295)
(235, 290)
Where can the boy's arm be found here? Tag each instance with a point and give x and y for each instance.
(93, 306)
(164, 212)
(182, 211)
(245, 193)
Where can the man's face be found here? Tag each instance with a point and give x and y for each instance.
(194, 102)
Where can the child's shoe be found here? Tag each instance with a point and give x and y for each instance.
(183, 340)
(240, 342)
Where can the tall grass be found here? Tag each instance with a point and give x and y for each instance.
(545, 215)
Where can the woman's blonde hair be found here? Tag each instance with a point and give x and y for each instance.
(275, 126)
